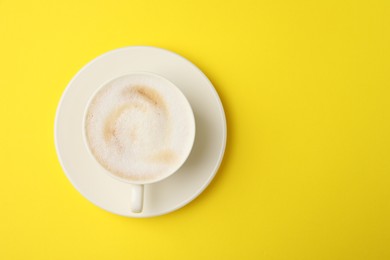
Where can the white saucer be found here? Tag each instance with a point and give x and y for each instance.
(161, 197)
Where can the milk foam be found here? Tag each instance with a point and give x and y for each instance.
(139, 127)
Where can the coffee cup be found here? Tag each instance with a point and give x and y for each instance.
(140, 128)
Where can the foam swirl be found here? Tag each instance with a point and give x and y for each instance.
(135, 130)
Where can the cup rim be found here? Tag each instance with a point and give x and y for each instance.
(109, 173)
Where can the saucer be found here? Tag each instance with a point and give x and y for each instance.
(88, 177)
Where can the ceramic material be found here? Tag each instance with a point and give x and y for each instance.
(161, 197)
(137, 193)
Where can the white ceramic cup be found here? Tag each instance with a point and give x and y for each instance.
(137, 187)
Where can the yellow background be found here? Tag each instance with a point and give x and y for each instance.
(306, 88)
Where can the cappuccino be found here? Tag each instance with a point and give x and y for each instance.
(139, 127)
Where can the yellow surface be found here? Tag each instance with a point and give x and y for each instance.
(306, 88)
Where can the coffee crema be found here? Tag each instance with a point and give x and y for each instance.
(139, 127)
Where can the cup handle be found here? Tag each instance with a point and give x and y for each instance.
(137, 198)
